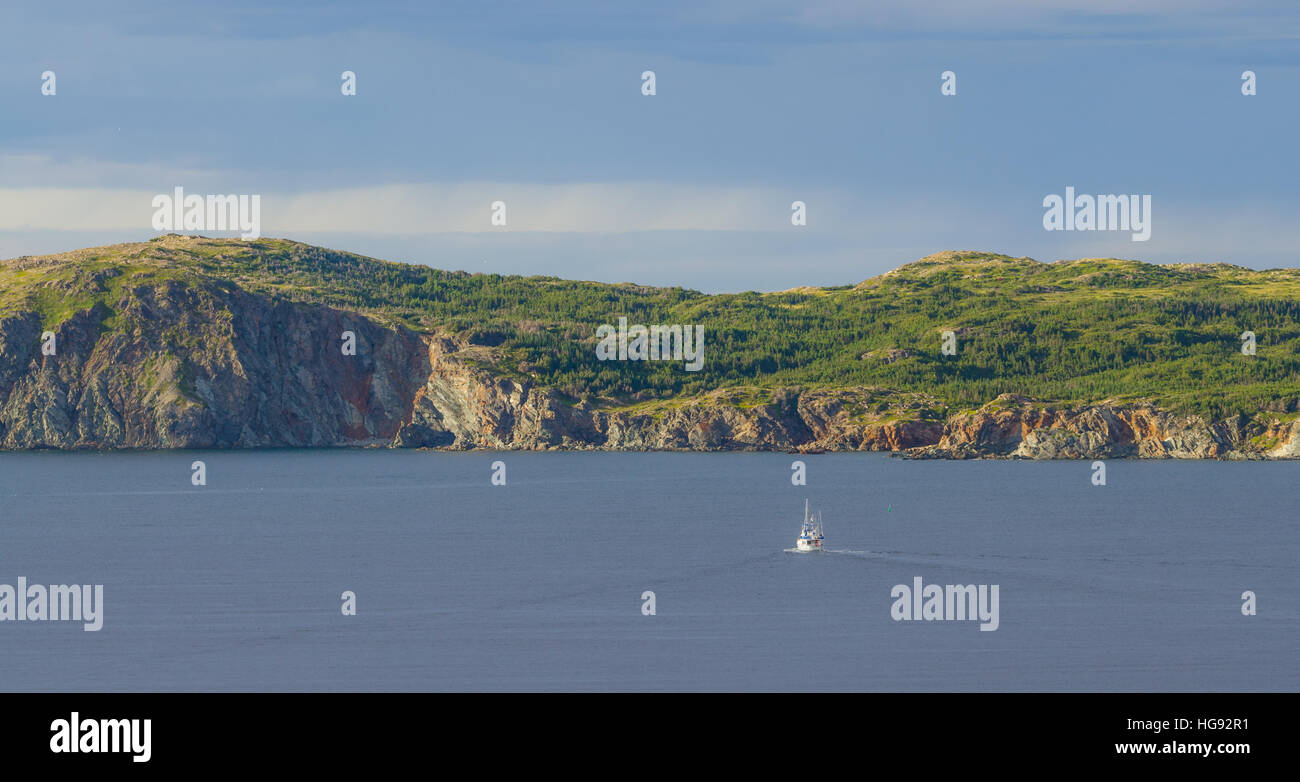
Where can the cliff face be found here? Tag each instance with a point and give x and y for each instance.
(464, 406)
(204, 367)
(1015, 427)
(461, 406)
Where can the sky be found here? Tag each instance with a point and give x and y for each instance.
(757, 105)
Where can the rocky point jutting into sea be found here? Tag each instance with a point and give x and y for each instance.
(161, 345)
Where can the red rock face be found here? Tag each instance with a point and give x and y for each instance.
(1015, 427)
(194, 366)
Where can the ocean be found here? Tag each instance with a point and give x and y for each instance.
(541, 583)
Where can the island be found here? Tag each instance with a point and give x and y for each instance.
(188, 342)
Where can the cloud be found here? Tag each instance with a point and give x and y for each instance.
(457, 207)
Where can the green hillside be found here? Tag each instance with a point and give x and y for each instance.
(1069, 331)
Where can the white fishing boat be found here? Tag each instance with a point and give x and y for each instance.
(810, 535)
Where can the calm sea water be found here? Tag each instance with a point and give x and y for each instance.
(537, 585)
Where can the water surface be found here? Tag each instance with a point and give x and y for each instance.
(536, 585)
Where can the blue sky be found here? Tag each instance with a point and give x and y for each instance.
(758, 104)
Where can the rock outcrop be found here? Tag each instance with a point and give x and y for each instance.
(1019, 428)
(205, 367)
(462, 406)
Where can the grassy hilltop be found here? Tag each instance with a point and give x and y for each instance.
(1068, 332)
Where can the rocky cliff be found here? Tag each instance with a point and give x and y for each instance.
(204, 366)
(464, 407)
(154, 349)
